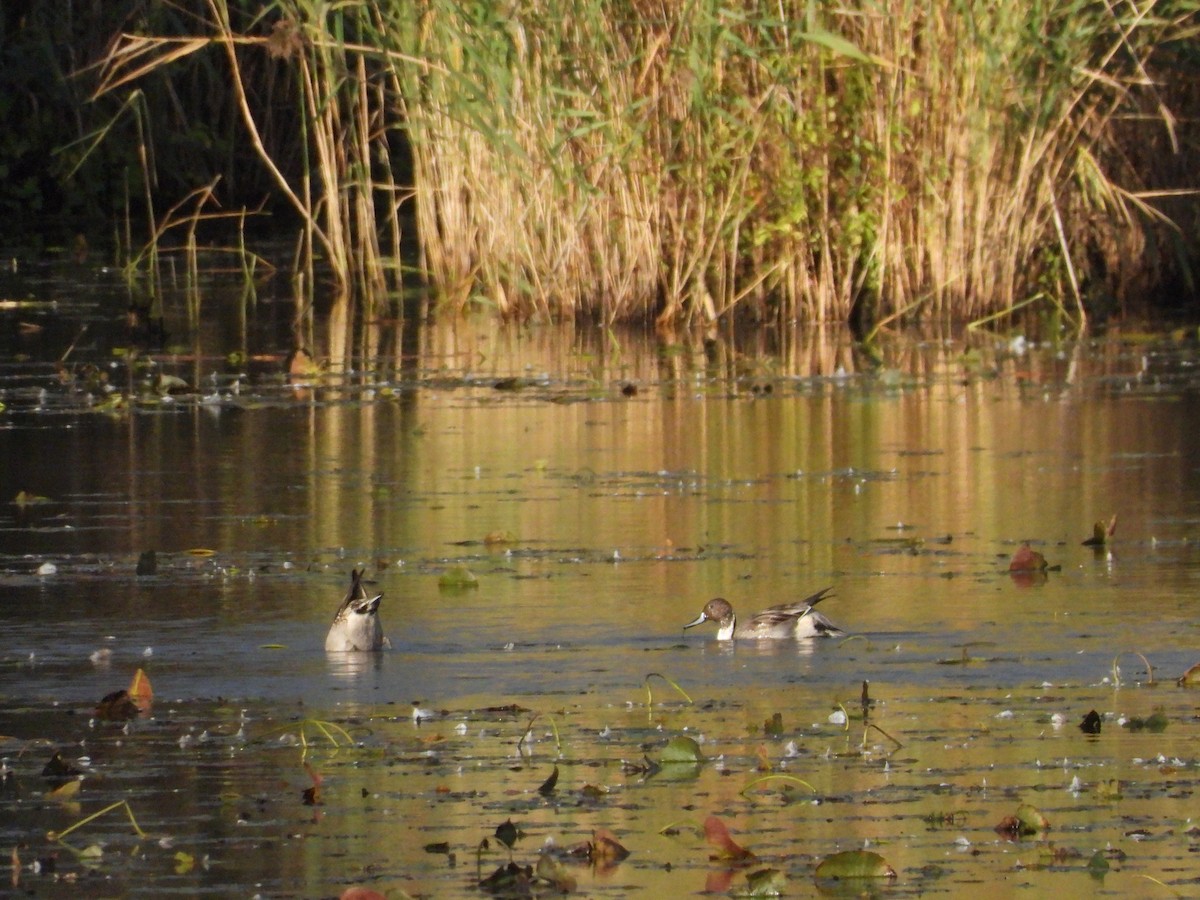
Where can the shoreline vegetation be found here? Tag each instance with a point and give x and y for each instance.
(641, 160)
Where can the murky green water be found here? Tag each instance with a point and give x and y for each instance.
(635, 478)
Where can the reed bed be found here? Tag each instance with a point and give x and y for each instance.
(629, 159)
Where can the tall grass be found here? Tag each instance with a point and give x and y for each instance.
(686, 160)
(818, 160)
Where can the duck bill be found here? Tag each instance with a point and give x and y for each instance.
(699, 620)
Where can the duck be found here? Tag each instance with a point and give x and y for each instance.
(356, 625)
(787, 620)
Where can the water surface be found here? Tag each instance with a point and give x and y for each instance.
(623, 480)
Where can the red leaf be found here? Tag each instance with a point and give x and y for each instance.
(717, 834)
(1026, 559)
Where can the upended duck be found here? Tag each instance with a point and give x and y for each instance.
(787, 620)
(356, 625)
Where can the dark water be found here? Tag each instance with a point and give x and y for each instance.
(631, 479)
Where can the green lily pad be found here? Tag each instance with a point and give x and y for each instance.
(458, 578)
(855, 864)
(1031, 819)
(763, 883)
(681, 749)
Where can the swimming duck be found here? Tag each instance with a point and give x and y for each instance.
(788, 620)
(356, 625)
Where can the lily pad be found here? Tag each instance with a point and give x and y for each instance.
(1028, 820)
(728, 850)
(854, 864)
(681, 749)
(763, 883)
(458, 578)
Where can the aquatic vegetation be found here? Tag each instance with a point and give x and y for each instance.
(941, 165)
(853, 864)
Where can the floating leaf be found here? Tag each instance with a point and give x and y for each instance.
(312, 795)
(1098, 866)
(300, 364)
(764, 761)
(1026, 559)
(1156, 722)
(728, 850)
(547, 787)
(65, 791)
(458, 578)
(507, 833)
(509, 881)
(606, 850)
(681, 749)
(25, 498)
(1101, 532)
(147, 563)
(497, 538)
(201, 551)
(1031, 819)
(553, 871)
(1191, 676)
(763, 883)
(360, 893)
(184, 863)
(117, 706)
(855, 864)
(58, 771)
(140, 691)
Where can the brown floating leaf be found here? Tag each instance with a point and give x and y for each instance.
(547, 787)
(507, 833)
(312, 795)
(1026, 559)
(855, 864)
(728, 850)
(606, 849)
(1191, 676)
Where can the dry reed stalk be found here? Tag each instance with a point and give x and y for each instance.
(633, 158)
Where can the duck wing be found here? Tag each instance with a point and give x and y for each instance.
(793, 610)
